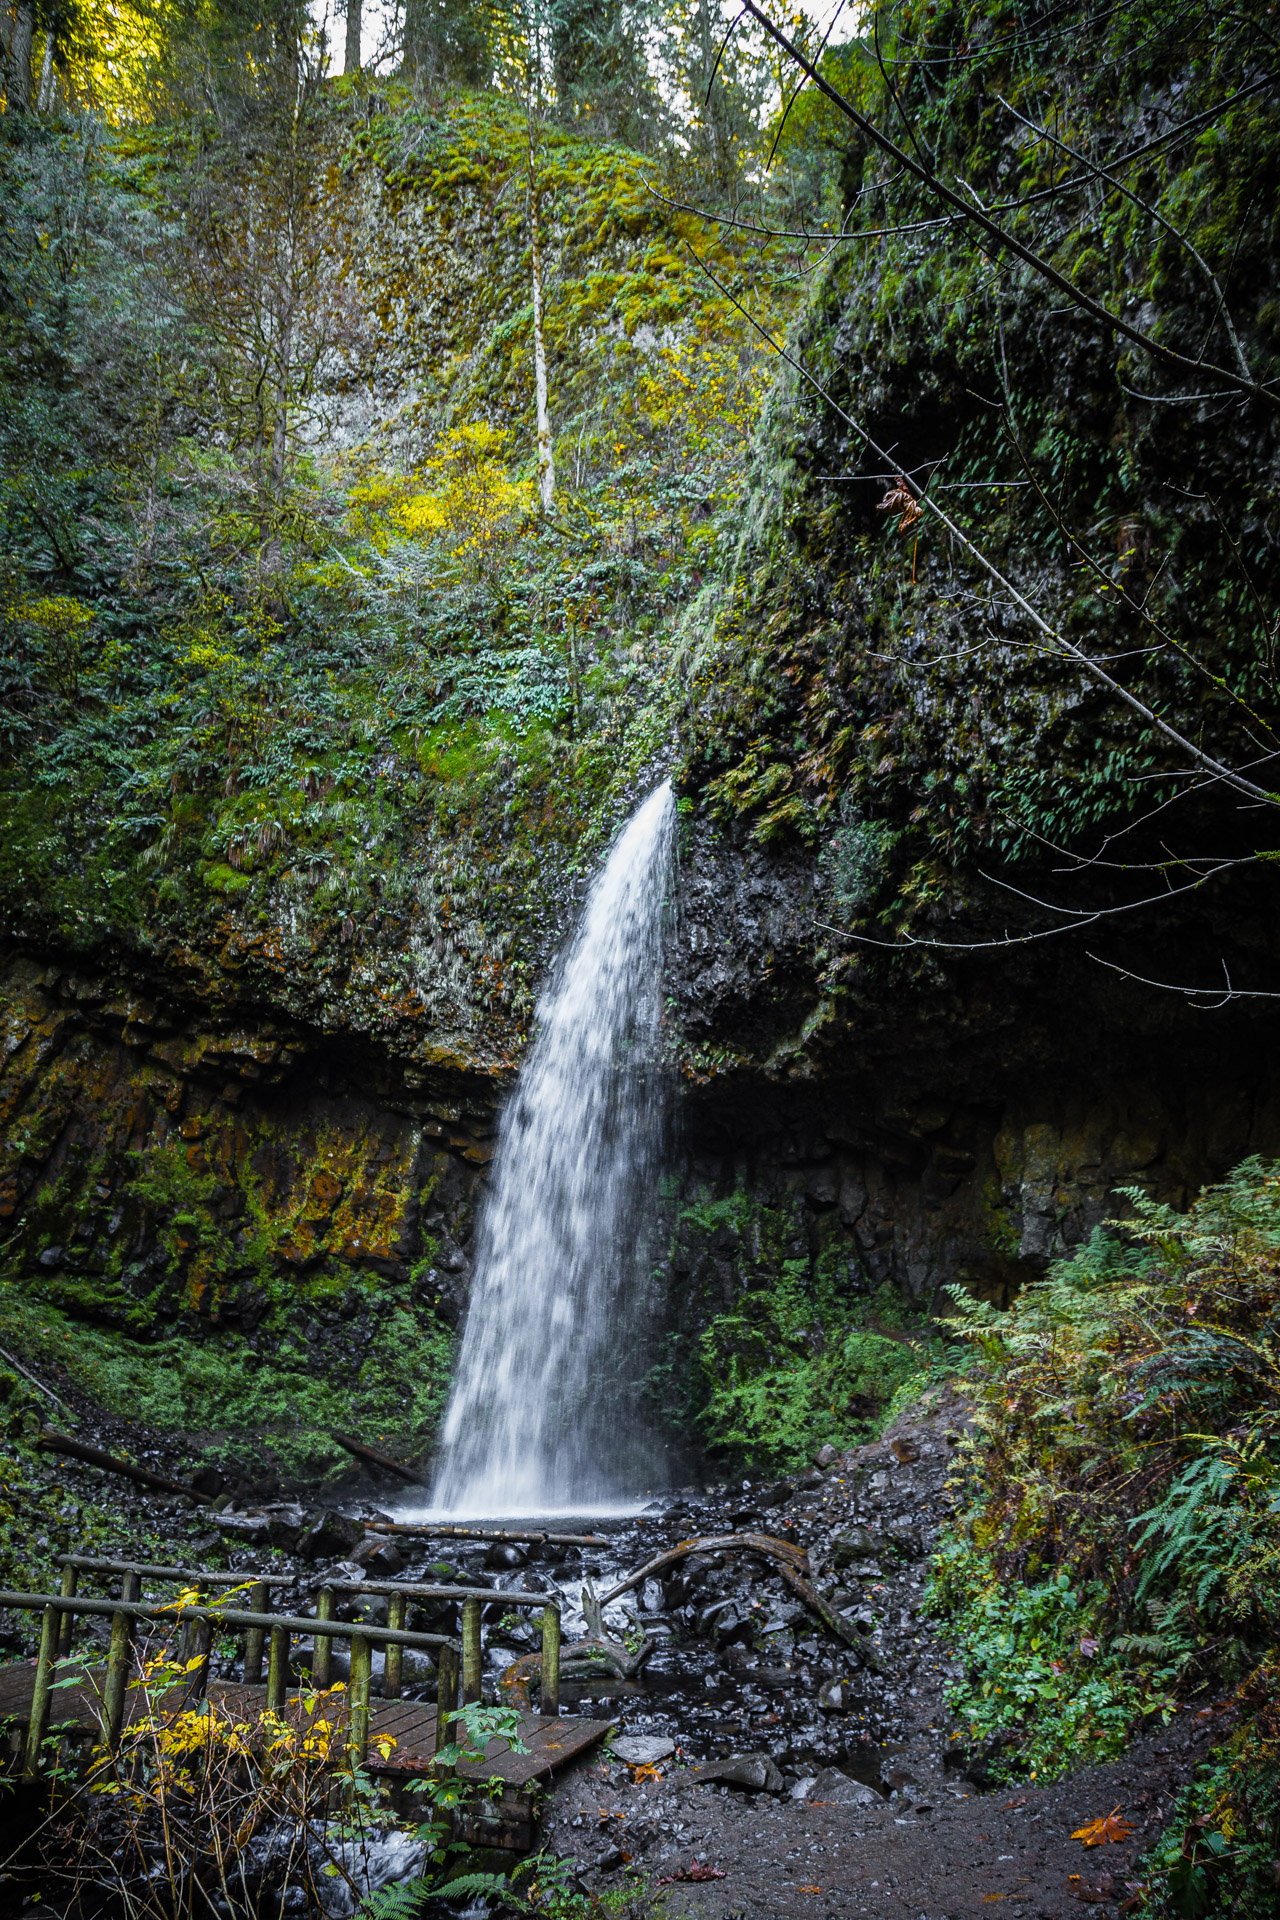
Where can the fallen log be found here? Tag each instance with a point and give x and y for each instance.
(597, 1651)
(785, 1552)
(425, 1530)
(376, 1459)
(54, 1442)
(844, 1629)
(39, 1385)
(792, 1563)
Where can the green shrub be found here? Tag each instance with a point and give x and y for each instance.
(1118, 1540)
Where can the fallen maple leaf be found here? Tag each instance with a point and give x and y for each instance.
(646, 1772)
(1107, 1826)
(900, 499)
(808, 1889)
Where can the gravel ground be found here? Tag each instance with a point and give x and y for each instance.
(890, 1825)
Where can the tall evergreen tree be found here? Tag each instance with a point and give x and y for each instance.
(601, 73)
(449, 40)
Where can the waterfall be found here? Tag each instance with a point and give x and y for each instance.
(558, 1295)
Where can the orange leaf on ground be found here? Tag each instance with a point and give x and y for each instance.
(1108, 1826)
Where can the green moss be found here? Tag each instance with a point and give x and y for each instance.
(230, 1395)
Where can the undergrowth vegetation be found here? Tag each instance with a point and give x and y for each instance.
(809, 1351)
(1119, 1542)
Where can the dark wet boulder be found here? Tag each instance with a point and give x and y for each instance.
(504, 1558)
(330, 1536)
(754, 1771)
(379, 1556)
(836, 1788)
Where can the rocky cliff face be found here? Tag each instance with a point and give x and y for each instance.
(262, 1005)
(266, 1214)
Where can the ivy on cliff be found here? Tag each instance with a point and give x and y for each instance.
(865, 674)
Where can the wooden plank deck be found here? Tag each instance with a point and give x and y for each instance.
(410, 1723)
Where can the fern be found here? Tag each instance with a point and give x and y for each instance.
(403, 1900)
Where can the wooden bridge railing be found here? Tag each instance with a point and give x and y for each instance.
(265, 1631)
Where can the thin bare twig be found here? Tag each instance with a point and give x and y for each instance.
(1191, 993)
(1153, 213)
(1064, 648)
(1000, 236)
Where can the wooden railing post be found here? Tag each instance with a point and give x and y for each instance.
(446, 1694)
(471, 1689)
(255, 1638)
(551, 1661)
(39, 1722)
(189, 1631)
(70, 1580)
(204, 1648)
(322, 1645)
(278, 1670)
(118, 1660)
(393, 1669)
(358, 1697)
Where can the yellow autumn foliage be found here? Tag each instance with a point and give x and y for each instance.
(463, 498)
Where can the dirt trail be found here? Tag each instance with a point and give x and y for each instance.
(895, 1828)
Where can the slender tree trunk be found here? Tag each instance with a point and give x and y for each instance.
(352, 62)
(18, 78)
(713, 103)
(45, 101)
(546, 465)
(415, 39)
(280, 428)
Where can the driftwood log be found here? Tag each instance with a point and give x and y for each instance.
(54, 1442)
(785, 1552)
(426, 1530)
(376, 1459)
(844, 1629)
(792, 1563)
(598, 1651)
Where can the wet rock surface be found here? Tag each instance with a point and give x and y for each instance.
(819, 1778)
(816, 1776)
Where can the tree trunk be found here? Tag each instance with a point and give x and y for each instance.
(280, 427)
(352, 62)
(713, 102)
(546, 465)
(415, 38)
(18, 78)
(45, 101)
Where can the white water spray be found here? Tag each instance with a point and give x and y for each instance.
(532, 1425)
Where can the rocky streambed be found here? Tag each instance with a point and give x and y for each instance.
(774, 1754)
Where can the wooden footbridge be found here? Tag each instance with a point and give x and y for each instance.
(61, 1694)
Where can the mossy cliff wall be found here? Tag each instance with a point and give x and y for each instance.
(291, 833)
(230, 1223)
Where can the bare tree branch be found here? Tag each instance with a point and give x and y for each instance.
(1063, 647)
(1191, 993)
(1153, 213)
(1000, 236)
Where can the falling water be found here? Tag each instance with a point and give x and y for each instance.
(534, 1422)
